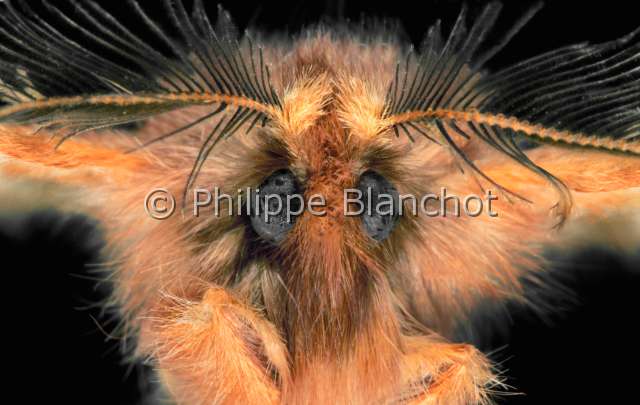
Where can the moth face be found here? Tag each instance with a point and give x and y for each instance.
(323, 294)
(329, 176)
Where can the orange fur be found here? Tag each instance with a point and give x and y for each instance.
(34, 155)
(331, 316)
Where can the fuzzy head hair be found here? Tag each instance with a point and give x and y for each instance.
(328, 308)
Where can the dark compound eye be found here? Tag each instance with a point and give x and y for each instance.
(382, 198)
(270, 223)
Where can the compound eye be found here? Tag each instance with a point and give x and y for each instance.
(381, 205)
(274, 214)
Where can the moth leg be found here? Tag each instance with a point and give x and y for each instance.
(216, 351)
(441, 373)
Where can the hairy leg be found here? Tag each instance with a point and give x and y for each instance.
(216, 351)
(449, 374)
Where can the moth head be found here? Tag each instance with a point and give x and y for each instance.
(327, 115)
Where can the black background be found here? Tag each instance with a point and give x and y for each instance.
(584, 353)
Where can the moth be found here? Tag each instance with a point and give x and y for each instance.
(233, 307)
